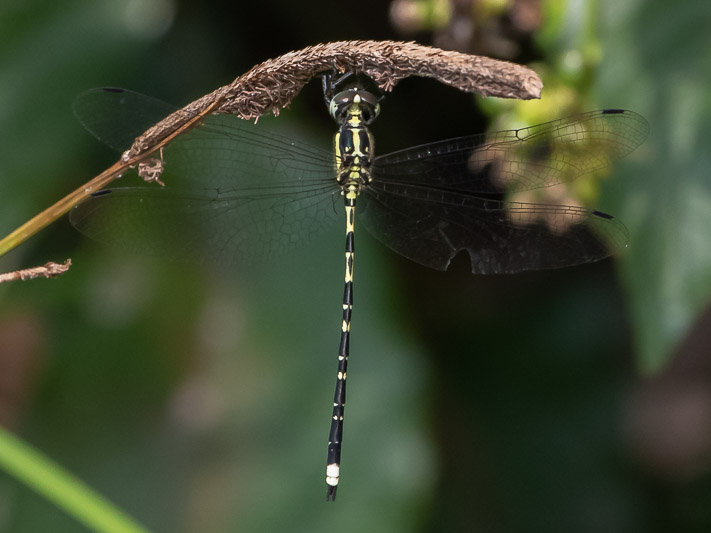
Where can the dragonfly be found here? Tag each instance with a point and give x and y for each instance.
(237, 192)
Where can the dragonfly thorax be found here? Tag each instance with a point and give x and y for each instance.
(354, 110)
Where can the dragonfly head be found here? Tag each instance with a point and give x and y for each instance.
(354, 104)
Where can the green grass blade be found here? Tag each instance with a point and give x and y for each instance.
(61, 487)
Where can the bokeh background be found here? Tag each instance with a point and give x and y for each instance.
(198, 399)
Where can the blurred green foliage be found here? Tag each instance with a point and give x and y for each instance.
(198, 399)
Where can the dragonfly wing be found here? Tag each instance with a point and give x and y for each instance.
(235, 192)
(517, 160)
(432, 226)
(230, 227)
(117, 116)
(225, 151)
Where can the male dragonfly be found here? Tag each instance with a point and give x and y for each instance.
(236, 192)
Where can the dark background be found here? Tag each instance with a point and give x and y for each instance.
(198, 399)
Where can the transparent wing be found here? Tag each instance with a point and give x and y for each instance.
(230, 226)
(117, 116)
(431, 226)
(431, 202)
(517, 160)
(235, 192)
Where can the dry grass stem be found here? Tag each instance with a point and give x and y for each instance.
(48, 270)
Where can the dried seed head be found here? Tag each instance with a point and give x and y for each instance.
(272, 85)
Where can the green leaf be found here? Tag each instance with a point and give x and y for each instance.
(656, 63)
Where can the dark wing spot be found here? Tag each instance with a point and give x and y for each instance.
(602, 215)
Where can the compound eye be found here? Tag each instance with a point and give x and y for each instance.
(339, 104)
(371, 106)
(370, 112)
